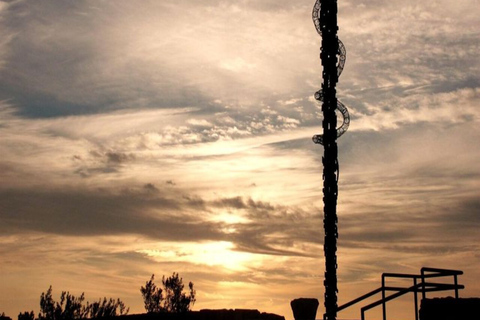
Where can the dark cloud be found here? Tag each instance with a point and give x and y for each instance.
(150, 187)
(271, 229)
(460, 219)
(276, 236)
(259, 210)
(236, 202)
(99, 162)
(118, 157)
(77, 58)
(101, 213)
(63, 63)
(86, 172)
(427, 229)
(195, 202)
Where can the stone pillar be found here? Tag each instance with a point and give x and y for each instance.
(304, 308)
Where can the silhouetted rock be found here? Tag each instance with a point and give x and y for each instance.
(450, 309)
(304, 308)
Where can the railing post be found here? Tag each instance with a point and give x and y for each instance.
(423, 284)
(456, 285)
(384, 306)
(415, 293)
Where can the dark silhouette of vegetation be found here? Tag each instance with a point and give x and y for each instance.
(71, 307)
(26, 315)
(169, 299)
(106, 308)
(175, 299)
(4, 317)
(152, 296)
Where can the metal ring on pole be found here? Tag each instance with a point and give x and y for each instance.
(342, 56)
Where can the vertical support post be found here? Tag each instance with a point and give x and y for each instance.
(455, 279)
(423, 284)
(415, 296)
(329, 50)
(384, 304)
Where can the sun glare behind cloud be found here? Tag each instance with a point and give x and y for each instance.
(214, 253)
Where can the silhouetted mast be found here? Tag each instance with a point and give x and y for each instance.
(325, 19)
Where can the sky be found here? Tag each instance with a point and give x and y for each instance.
(151, 137)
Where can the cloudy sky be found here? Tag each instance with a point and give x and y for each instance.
(142, 137)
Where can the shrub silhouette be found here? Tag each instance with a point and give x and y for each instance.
(152, 296)
(4, 317)
(169, 299)
(106, 308)
(69, 307)
(26, 315)
(72, 308)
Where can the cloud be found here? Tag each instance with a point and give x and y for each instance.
(88, 62)
(136, 212)
(150, 187)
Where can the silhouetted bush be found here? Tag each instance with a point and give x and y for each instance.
(26, 315)
(4, 317)
(169, 299)
(152, 296)
(69, 307)
(72, 308)
(106, 308)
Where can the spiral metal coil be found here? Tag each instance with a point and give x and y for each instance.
(342, 56)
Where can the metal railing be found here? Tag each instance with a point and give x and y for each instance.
(420, 285)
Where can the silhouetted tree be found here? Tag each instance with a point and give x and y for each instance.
(175, 299)
(72, 308)
(69, 307)
(26, 315)
(152, 296)
(171, 298)
(106, 308)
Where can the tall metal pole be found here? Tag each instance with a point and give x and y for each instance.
(325, 19)
(328, 16)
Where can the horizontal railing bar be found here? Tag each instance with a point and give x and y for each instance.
(428, 287)
(365, 296)
(443, 285)
(416, 276)
(459, 287)
(400, 275)
(443, 271)
(391, 297)
(436, 275)
(399, 288)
